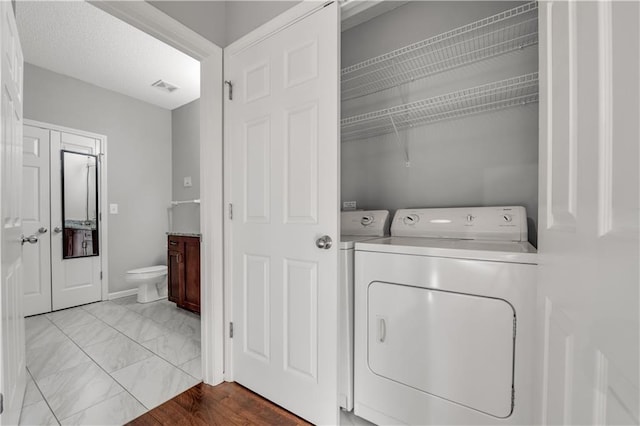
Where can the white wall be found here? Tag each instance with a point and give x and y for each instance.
(487, 159)
(139, 161)
(185, 130)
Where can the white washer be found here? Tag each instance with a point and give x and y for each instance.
(355, 226)
(444, 319)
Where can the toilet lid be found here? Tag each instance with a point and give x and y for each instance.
(158, 268)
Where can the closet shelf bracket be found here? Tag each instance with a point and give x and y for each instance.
(402, 142)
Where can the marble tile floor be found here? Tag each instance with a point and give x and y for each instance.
(107, 363)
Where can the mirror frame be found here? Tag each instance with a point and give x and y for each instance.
(96, 242)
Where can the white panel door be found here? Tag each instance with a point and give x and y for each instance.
(588, 240)
(282, 133)
(75, 281)
(36, 220)
(12, 352)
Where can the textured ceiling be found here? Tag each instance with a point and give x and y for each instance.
(77, 39)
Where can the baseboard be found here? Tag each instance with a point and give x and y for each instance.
(123, 293)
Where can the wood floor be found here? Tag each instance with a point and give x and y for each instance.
(225, 404)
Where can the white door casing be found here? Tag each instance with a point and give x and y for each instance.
(148, 18)
(282, 136)
(75, 281)
(36, 220)
(588, 302)
(12, 337)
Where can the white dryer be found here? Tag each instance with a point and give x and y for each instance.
(444, 313)
(355, 226)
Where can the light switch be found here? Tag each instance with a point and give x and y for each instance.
(187, 182)
(113, 208)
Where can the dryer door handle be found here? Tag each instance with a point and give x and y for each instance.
(382, 329)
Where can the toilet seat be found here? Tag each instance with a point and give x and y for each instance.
(149, 272)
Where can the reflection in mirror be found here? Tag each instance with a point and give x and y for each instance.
(79, 204)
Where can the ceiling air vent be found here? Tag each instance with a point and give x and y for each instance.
(164, 86)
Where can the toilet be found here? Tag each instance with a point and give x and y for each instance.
(151, 282)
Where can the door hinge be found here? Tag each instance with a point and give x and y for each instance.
(228, 83)
(231, 330)
(514, 328)
(100, 216)
(1, 403)
(230, 211)
(100, 274)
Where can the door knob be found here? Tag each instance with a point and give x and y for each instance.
(57, 230)
(42, 230)
(324, 242)
(31, 239)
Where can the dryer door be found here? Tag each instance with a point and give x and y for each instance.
(459, 347)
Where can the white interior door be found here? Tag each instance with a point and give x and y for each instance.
(75, 281)
(36, 220)
(12, 353)
(588, 240)
(282, 130)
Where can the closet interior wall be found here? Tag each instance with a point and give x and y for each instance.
(485, 159)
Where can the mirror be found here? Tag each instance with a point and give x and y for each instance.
(79, 204)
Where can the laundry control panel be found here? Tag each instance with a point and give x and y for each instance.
(507, 223)
(364, 222)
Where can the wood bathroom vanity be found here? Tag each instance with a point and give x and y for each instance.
(183, 258)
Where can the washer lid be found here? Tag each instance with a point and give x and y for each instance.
(148, 269)
(498, 251)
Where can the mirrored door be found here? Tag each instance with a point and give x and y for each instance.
(75, 218)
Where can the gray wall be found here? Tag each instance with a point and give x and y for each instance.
(185, 130)
(139, 161)
(223, 22)
(207, 18)
(245, 16)
(487, 159)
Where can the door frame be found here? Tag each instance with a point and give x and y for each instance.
(103, 223)
(156, 23)
(277, 24)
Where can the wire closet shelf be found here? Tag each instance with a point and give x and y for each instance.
(489, 97)
(507, 31)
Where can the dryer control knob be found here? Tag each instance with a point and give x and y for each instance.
(366, 220)
(411, 219)
(470, 218)
(507, 217)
